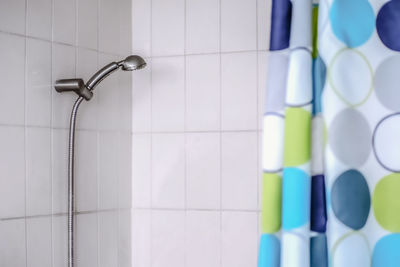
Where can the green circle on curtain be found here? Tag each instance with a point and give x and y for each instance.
(297, 137)
(386, 202)
(271, 203)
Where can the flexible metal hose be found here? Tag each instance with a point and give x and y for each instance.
(71, 208)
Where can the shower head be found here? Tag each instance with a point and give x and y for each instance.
(128, 64)
(132, 63)
(85, 90)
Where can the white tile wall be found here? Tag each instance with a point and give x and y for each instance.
(196, 122)
(42, 41)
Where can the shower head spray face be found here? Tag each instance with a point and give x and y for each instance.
(132, 63)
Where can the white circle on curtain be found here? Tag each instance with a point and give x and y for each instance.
(351, 77)
(273, 139)
(351, 250)
(349, 137)
(293, 249)
(386, 82)
(299, 82)
(386, 142)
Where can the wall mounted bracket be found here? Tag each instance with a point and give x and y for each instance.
(74, 85)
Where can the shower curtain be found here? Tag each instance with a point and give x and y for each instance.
(331, 140)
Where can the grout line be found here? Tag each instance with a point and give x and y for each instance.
(220, 133)
(151, 137)
(51, 136)
(211, 131)
(25, 134)
(185, 152)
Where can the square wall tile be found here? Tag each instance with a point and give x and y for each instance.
(38, 171)
(86, 66)
(59, 240)
(141, 170)
(108, 173)
(203, 94)
(12, 172)
(239, 239)
(239, 170)
(239, 91)
(13, 243)
(108, 239)
(203, 167)
(60, 170)
(86, 189)
(87, 23)
(167, 240)
(141, 238)
(38, 83)
(12, 74)
(141, 27)
(12, 16)
(64, 18)
(202, 35)
(125, 27)
(168, 94)
(124, 170)
(168, 170)
(63, 68)
(109, 26)
(38, 241)
(141, 99)
(203, 238)
(238, 25)
(86, 240)
(124, 239)
(168, 27)
(38, 17)
(264, 23)
(262, 85)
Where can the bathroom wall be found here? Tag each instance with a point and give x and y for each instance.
(196, 121)
(41, 41)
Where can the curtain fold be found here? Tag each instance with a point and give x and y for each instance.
(331, 146)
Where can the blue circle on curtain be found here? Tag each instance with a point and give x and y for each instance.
(387, 24)
(269, 251)
(351, 200)
(386, 252)
(296, 189)
(319, 77)
(353, 21)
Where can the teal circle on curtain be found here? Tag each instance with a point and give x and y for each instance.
(295, 198)
(353, 21)
(386, 252)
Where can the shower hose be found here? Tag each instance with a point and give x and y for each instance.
(71, 203)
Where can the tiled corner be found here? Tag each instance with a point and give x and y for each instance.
(141, 238)
(141, 27)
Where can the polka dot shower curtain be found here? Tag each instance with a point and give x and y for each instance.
(331, 141)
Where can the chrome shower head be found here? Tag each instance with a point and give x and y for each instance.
(132, 63)
(85, 90)
(128, 64)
